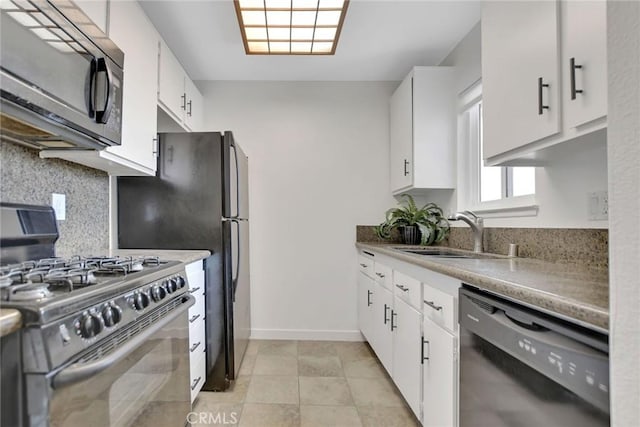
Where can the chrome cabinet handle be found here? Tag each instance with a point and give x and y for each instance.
(406, 163)
(386, 307)
(572, 77)
(194, 290)
(541, 106)
(193, 347)
(422, 354)
(194, 318)
(369, 293)
(195, 382)
(393, 313)
(363, 265)
(402, 288)
(433, 305)
(380, 275)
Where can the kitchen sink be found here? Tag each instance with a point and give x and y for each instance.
(444, 253)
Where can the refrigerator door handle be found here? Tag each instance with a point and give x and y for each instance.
(234, 280)
(235, 158)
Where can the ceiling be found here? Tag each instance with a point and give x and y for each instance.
(380, 40)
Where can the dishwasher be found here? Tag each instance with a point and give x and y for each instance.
(520, 366)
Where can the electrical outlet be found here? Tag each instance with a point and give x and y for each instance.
(598, 202)
(59, 205)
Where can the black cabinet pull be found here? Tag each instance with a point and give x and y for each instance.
(541, 106)
(193, 347)
(572, 77)
(369, 293)
(189, 111)
(393, 313)
(195, 383)
(406, 163)
(422, 343)
(184, 101)
(386, 307)
(194, 290)
(194, 318)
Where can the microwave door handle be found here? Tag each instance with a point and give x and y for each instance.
(102, 66)
(80, 371)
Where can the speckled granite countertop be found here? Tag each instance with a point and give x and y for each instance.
(10, 321)
(580, 293)
(186, 257)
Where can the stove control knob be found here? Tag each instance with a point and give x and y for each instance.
(158, 293)
(90, 325)
(111, 314)
(172, 286)
(181, 282)
(140, 301)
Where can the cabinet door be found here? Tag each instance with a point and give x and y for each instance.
(407, 357)
(171, 93)
(365, 307)
(193, 114)
(440, 376)
(401, 136)
(519, 47)
(132, 31)
(584, 60)
(383, 306)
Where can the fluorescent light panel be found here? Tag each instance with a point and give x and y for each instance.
(290, 27)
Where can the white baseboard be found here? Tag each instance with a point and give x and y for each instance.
(305, 335)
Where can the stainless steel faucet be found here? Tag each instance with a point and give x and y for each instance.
(477, 226)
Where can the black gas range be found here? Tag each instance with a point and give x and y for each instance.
(86, 317)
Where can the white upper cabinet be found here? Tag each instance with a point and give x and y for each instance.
(520, 73)
(544, 76)
(132, 31)
(584, 61)
(423, 131)
(177, 95)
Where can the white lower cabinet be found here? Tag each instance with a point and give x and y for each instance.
(439, 376)
(407, 368)
(197, 336)
(365, 306)
(409, 317)
(383, 312)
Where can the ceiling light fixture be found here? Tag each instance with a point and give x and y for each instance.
(290, 27)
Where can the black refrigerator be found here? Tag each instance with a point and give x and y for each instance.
(199, 200)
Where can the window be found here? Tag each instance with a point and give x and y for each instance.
(486, 187)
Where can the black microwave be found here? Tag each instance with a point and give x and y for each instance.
(61, 78)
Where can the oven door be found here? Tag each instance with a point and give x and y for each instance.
(59, 88)
(145, 383)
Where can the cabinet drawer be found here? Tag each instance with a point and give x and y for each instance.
(366, 265)
(407, 289)
(196, 312)
(198, 373)
(196, 336)
(440, 307)
(383, 275)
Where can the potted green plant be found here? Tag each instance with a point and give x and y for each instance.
(426, 225)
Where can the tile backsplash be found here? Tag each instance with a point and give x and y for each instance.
(26, 178)
(568, 245)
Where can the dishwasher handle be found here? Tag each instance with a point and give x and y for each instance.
(78, 372)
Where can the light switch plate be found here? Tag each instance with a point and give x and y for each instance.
(598, 202)
(59, 204)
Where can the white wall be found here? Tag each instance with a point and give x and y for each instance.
(577, 168)
(318, 158)
(624, 198)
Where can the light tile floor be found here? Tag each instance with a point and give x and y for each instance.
(307, 383)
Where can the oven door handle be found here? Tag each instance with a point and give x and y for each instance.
(78, 372)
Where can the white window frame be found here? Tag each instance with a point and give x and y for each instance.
(468, 195)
